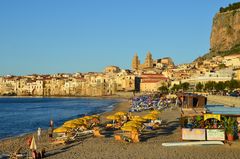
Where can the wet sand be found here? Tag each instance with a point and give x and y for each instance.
(149, 147)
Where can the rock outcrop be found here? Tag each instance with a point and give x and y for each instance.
(225, 34)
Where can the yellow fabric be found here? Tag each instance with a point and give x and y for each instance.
(215, 116)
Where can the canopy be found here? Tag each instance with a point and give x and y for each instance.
(138, 118)
(70, 125)
(96, 116)
(61, 130)
(113, 117)
(129, 128)
(88, 117)
(78, 122)
(121, 113)
(134, 124)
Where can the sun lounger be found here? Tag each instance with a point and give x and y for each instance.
(58, 142)
(151, 126)
(97, 133)
(84, 132)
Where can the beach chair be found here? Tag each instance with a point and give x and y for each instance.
(58, 142)
(86, 132)
(18, 154)
(135, 137)
(122, 138)
(96, 133)
(118, 137)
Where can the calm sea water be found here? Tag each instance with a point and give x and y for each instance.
(23, 115)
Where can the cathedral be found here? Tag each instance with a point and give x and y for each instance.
(149, 63)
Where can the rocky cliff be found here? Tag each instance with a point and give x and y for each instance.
(225, 35)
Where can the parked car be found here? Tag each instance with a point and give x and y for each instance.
(234, 94)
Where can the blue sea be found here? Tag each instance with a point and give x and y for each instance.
(19, 116)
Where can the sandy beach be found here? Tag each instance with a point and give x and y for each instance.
(150, 145)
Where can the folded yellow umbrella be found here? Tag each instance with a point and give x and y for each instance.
(61, 130)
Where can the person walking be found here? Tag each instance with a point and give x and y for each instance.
(39, 133)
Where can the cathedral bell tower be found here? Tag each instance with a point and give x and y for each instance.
(148, 61)
(135, 62)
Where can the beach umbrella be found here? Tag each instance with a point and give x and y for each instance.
(87, 117)
(78, 122)
(129, 128)
(70, 125)
(33, 145)
(113, 117)
(134, 124)
(156, 112)
(69, 122)
(95, 120)
(121, 113)
(61, 130)
(138, 118)
(82, 119)
(96, 116)
(132, 121)
(150, 117)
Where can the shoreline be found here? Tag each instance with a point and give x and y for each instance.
(7, 141)
(117, 101)
(125, 96)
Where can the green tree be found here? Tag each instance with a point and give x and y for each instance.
(199, 86)
(220, 86)
(210, 86)
(233, 84)
(175, 87)
(185, 86)
(163, 89)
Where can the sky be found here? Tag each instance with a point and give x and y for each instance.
(62, 36)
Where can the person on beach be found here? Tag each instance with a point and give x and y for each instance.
(39, 133)
(29, 140)
(50, 132)
(51, 123)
